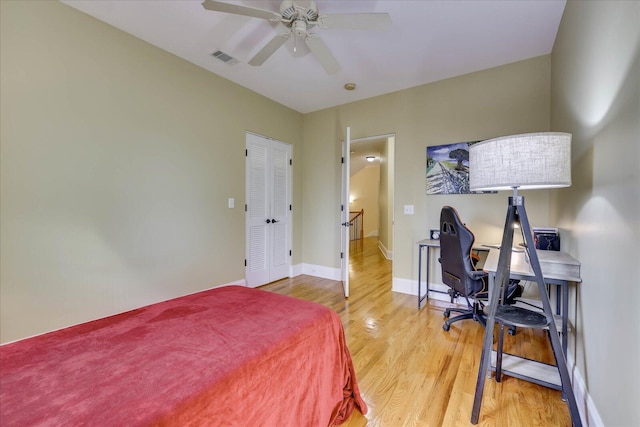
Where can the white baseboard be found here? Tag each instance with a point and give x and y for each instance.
(296, 270)
(407, 286)
(317, 271)
(372, 233)
(385, 252)
(239, 282)
(586, 406)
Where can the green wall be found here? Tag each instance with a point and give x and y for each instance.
(595, 90)
(117, 160)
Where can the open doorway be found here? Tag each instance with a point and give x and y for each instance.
(371, 191)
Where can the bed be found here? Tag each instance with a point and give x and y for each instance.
(230, 356)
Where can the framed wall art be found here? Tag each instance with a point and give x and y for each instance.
(448, 168)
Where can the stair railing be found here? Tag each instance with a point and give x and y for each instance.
(356, 225)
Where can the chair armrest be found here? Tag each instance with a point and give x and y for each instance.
(478, 274)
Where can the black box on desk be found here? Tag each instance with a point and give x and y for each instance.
(546, 239)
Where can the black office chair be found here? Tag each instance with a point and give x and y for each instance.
(458, 269)
(460, 274)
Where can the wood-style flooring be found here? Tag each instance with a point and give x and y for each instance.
(409, 370)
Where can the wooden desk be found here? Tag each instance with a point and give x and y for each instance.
(559, 269)
(554, 264)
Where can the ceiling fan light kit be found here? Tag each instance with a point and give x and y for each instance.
(299, 17)
(290, 10)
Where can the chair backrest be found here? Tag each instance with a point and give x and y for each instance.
(456, 242)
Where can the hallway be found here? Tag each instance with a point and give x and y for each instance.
(368, 268)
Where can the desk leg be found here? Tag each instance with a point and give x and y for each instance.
(426, 274)
(562, 309)
(565, 315)
(491, 284)
(419, 274)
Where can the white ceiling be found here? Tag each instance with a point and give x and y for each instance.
(428, 41)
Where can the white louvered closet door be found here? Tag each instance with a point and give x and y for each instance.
(268, 211)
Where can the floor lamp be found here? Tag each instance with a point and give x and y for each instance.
(527, 161)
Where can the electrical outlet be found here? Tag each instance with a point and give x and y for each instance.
(408, 209)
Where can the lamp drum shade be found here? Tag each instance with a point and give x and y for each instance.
(526, 161)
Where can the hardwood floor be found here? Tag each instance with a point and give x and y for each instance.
(409, 370)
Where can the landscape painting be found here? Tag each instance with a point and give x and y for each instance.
(448, 168)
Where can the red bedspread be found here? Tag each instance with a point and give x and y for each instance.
(231, 356)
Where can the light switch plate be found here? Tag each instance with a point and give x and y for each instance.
(408, 209)
(232, 203)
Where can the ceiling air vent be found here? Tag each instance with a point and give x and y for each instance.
(226, 58)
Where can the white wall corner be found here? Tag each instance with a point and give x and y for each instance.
(296, 270)
(586, 406)
(385, 252)
(321, 271)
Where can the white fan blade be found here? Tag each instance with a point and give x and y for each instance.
(269, 49)
(322, 54)
(356, 21)
(218, 6)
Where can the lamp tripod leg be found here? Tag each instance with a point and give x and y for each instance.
(502, 277)
(558, 351)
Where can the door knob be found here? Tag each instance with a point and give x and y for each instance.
(268, 221)
(274, 221)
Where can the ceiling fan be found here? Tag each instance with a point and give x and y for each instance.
(298, 18)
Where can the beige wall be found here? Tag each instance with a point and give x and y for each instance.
(387, 173)
(117, 162)
(364, 188)
(596, 97)
(510, 99)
